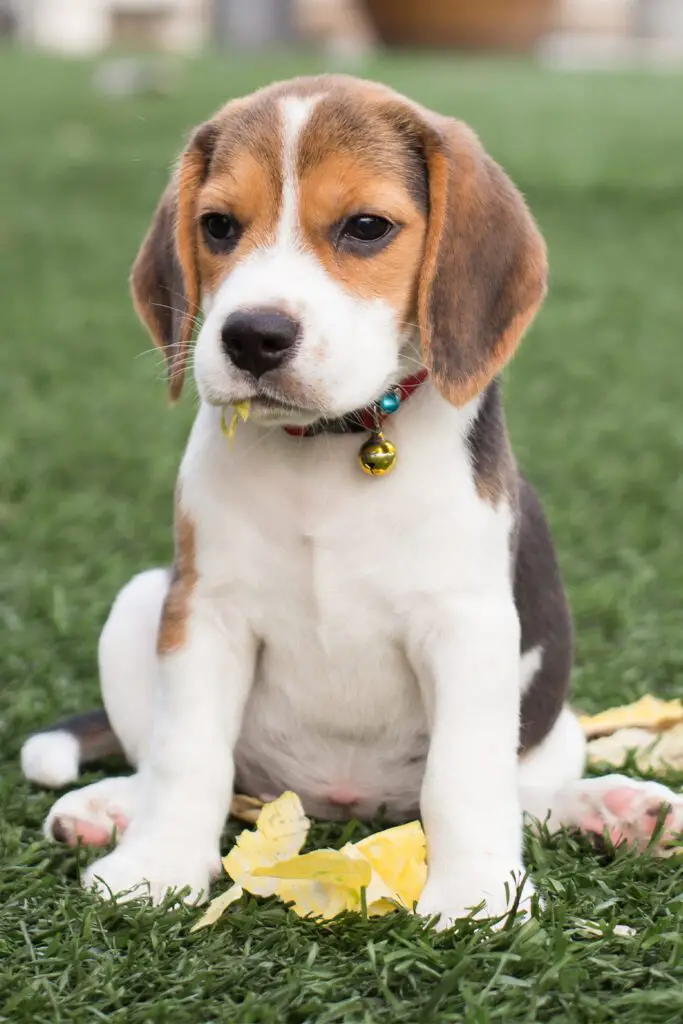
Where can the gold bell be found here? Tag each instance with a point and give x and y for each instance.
(377, 456)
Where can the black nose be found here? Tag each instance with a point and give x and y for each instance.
(258, 341)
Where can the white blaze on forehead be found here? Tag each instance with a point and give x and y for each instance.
(295, 112)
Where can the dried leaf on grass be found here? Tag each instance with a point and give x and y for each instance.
(385, 871)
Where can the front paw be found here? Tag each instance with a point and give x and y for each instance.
(139, 873)
(483, 894)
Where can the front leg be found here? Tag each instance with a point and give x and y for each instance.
(468, 667)
(186, 781)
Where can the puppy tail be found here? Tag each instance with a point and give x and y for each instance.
(53, 756)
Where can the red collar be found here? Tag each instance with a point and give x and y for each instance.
(370, 417)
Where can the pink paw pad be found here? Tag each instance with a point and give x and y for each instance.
(629, 814)
(73, 831)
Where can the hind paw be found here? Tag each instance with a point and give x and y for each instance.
(627, 810)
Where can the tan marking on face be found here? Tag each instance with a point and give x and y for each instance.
(247, 191)
(244, 179)
(340, 188)
(176, 609)
(341, 175)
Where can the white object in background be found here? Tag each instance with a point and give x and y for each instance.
(616, 34)
(596, 16)
(83, 27)
(77, 27)
(660, 19)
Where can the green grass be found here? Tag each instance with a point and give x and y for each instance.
(88, 453)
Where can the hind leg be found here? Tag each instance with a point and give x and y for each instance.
(128, 677)
(128, 663)
(551, 766)
(553, 791)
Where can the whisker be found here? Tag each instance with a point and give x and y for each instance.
(406, 357)
(154, 351)
(196, 318)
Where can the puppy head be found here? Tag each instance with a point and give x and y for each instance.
(320, 227)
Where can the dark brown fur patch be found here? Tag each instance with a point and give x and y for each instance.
(176, 608)
(93, 731)
(545, 620)
(60, 833)
(538, 592)
(495, 472)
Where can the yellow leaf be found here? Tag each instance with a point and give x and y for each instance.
(330, 866)
(243, 409)
(390, 866)
(281, 831)
(664, 754)
(283, 822)
(310, 898)
(649, 713)
(218, 906)
(381, 907)
(398, 859)
(240, 411)
(654, 751)
(320, 884)
(615, 748)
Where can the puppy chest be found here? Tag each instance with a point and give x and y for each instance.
(335, 711)
(331, 641)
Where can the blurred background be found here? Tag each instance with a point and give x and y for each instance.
(580, 100)
(568, 30)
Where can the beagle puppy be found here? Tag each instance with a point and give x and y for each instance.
(357, 269)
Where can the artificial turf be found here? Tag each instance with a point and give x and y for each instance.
(88, 455)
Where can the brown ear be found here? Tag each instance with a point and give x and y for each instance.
(485, 268)
(165, 278)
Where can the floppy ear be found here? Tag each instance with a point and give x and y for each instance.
(165, 277)
(485, 268)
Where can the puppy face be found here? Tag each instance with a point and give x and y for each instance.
(311, 220)
(326, 228)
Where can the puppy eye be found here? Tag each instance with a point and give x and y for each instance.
(366, 227)
(221, 230)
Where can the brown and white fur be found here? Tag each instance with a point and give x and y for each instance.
(400, 642)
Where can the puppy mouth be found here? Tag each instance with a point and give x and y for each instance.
(267, 405)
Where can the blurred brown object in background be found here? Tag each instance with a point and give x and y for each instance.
(131, 28)
(515, 25)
